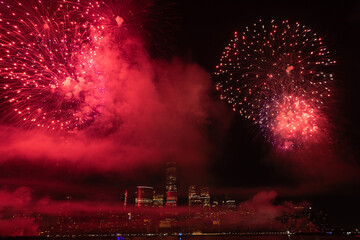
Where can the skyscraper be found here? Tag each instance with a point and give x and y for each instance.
(192, 193)
(144, 196)
(202, 199)
(125, 199)
(158, 200)
(171, 189)
(194, 198)
(205, 196)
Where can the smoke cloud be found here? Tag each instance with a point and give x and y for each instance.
(153, 111)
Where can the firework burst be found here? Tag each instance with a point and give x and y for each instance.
(49, 74)
(277, 75)
(120, 19)
(290, 120)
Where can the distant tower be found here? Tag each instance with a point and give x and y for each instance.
(144, 196)
(230, 203)
(125, 200)
(158, 200)
(171, 189)
(205, 197)
(197, 200)
(192, 194)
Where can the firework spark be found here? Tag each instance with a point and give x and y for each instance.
(278, 76)
(49, 73)
(120, 19)
(289, 121)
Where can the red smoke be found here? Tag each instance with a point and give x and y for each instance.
(15, 208)
(154, 111)
(261, 213)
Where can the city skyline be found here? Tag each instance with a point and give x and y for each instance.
(150, 215)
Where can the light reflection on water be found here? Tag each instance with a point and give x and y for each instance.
(227, 237)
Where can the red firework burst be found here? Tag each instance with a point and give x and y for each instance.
(290, 121)
(120, 19)
(49, 73)
(278, 76)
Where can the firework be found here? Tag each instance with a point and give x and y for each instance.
(289, 120)
(120, 19)
(49, 73)
(277, 75)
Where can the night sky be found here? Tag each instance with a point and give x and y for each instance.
(246, 161)
(167, 109)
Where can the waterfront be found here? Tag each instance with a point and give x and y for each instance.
(209, 237)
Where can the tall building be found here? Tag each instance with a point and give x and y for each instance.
(158, 200)
(144, 196)
(205, 196)
(171, 189)
(192, 193)
(202, 199)
(125, 199)
(194, 198)
(230, 203)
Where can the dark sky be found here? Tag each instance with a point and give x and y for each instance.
(159, 110)
(243, 160)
